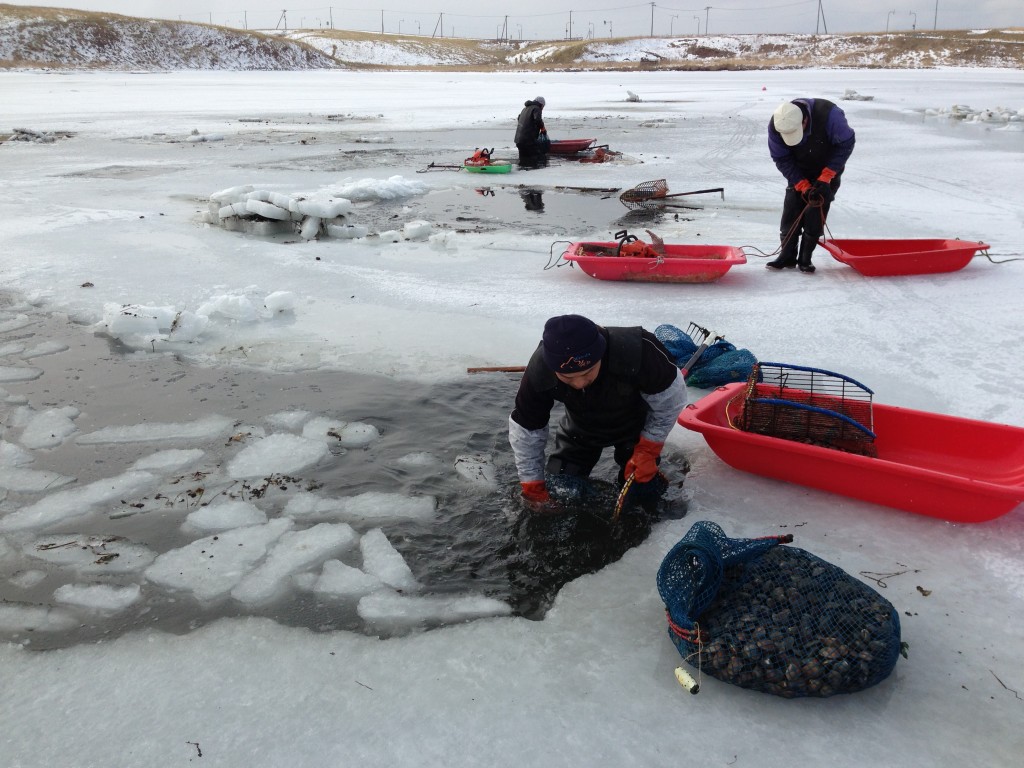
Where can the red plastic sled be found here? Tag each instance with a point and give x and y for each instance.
(883, 258)
(569, 146)
(681, 263)
(960, 470)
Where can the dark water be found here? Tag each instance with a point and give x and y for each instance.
(487, 204)
(483, 540)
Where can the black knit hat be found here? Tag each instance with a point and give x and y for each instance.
(572, 343)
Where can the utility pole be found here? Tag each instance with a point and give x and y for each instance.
(652, 19)
(707, 13)
(935, 24)
(382, 21)
(821, 18)
(245, 19)
(330, 11)
(570, 25)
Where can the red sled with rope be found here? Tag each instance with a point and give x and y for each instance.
(630, 259)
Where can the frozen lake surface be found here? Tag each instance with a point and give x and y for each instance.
(155, 368)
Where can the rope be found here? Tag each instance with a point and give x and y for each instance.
(558, 261)
(797, 223)
(700, 655)
(728, 415)
(1001, 261)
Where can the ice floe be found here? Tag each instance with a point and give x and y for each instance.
(381, 559)
(90, 554)
(104, 599)
(372, 507)
(279, 453)
(387, 609)
(296, 551)
(224, 515)
(211, 567)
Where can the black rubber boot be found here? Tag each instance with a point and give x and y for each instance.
(804, 261)
(780, 263)
(786, 258)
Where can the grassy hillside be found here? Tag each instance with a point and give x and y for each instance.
(67, 39)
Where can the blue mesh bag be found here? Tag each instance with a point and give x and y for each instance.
(773, 618)
(677, 341)
(721, 363)
(728, 366)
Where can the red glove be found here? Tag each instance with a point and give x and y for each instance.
(536, 491)
(827, 174)
(802, 186)
(643, 464)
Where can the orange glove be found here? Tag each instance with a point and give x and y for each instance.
(643, 464)
(827, 174)
(802, 186)
(536, 491)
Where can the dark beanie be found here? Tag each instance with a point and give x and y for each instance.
(572, 343)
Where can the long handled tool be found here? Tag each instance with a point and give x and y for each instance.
(651, 193)
(624, 493)
(498, 369)
(708, 338)
(439, 167)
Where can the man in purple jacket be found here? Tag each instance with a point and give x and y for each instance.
(810, 142)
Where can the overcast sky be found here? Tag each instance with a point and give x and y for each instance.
(551, 19)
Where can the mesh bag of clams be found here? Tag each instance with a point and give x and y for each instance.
(774, 618)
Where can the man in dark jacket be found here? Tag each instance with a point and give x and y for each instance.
(810, 142)
(532, 151)
(620, 388)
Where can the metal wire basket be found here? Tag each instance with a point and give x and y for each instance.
(808, 405)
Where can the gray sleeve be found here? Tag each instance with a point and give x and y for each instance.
(528, 448)
(665, 409)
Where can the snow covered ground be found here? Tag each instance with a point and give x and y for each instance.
(110, 225)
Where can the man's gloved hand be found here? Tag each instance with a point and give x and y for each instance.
(536, 492)
(643, 464)
(823, 190)
(802, 186)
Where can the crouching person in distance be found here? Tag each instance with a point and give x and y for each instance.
(620, 388)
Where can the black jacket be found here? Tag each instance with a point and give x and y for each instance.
(634, 363)
(531, 122)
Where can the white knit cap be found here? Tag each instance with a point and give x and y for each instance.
(789, 122)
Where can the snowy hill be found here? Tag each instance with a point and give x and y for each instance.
(66, 39)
